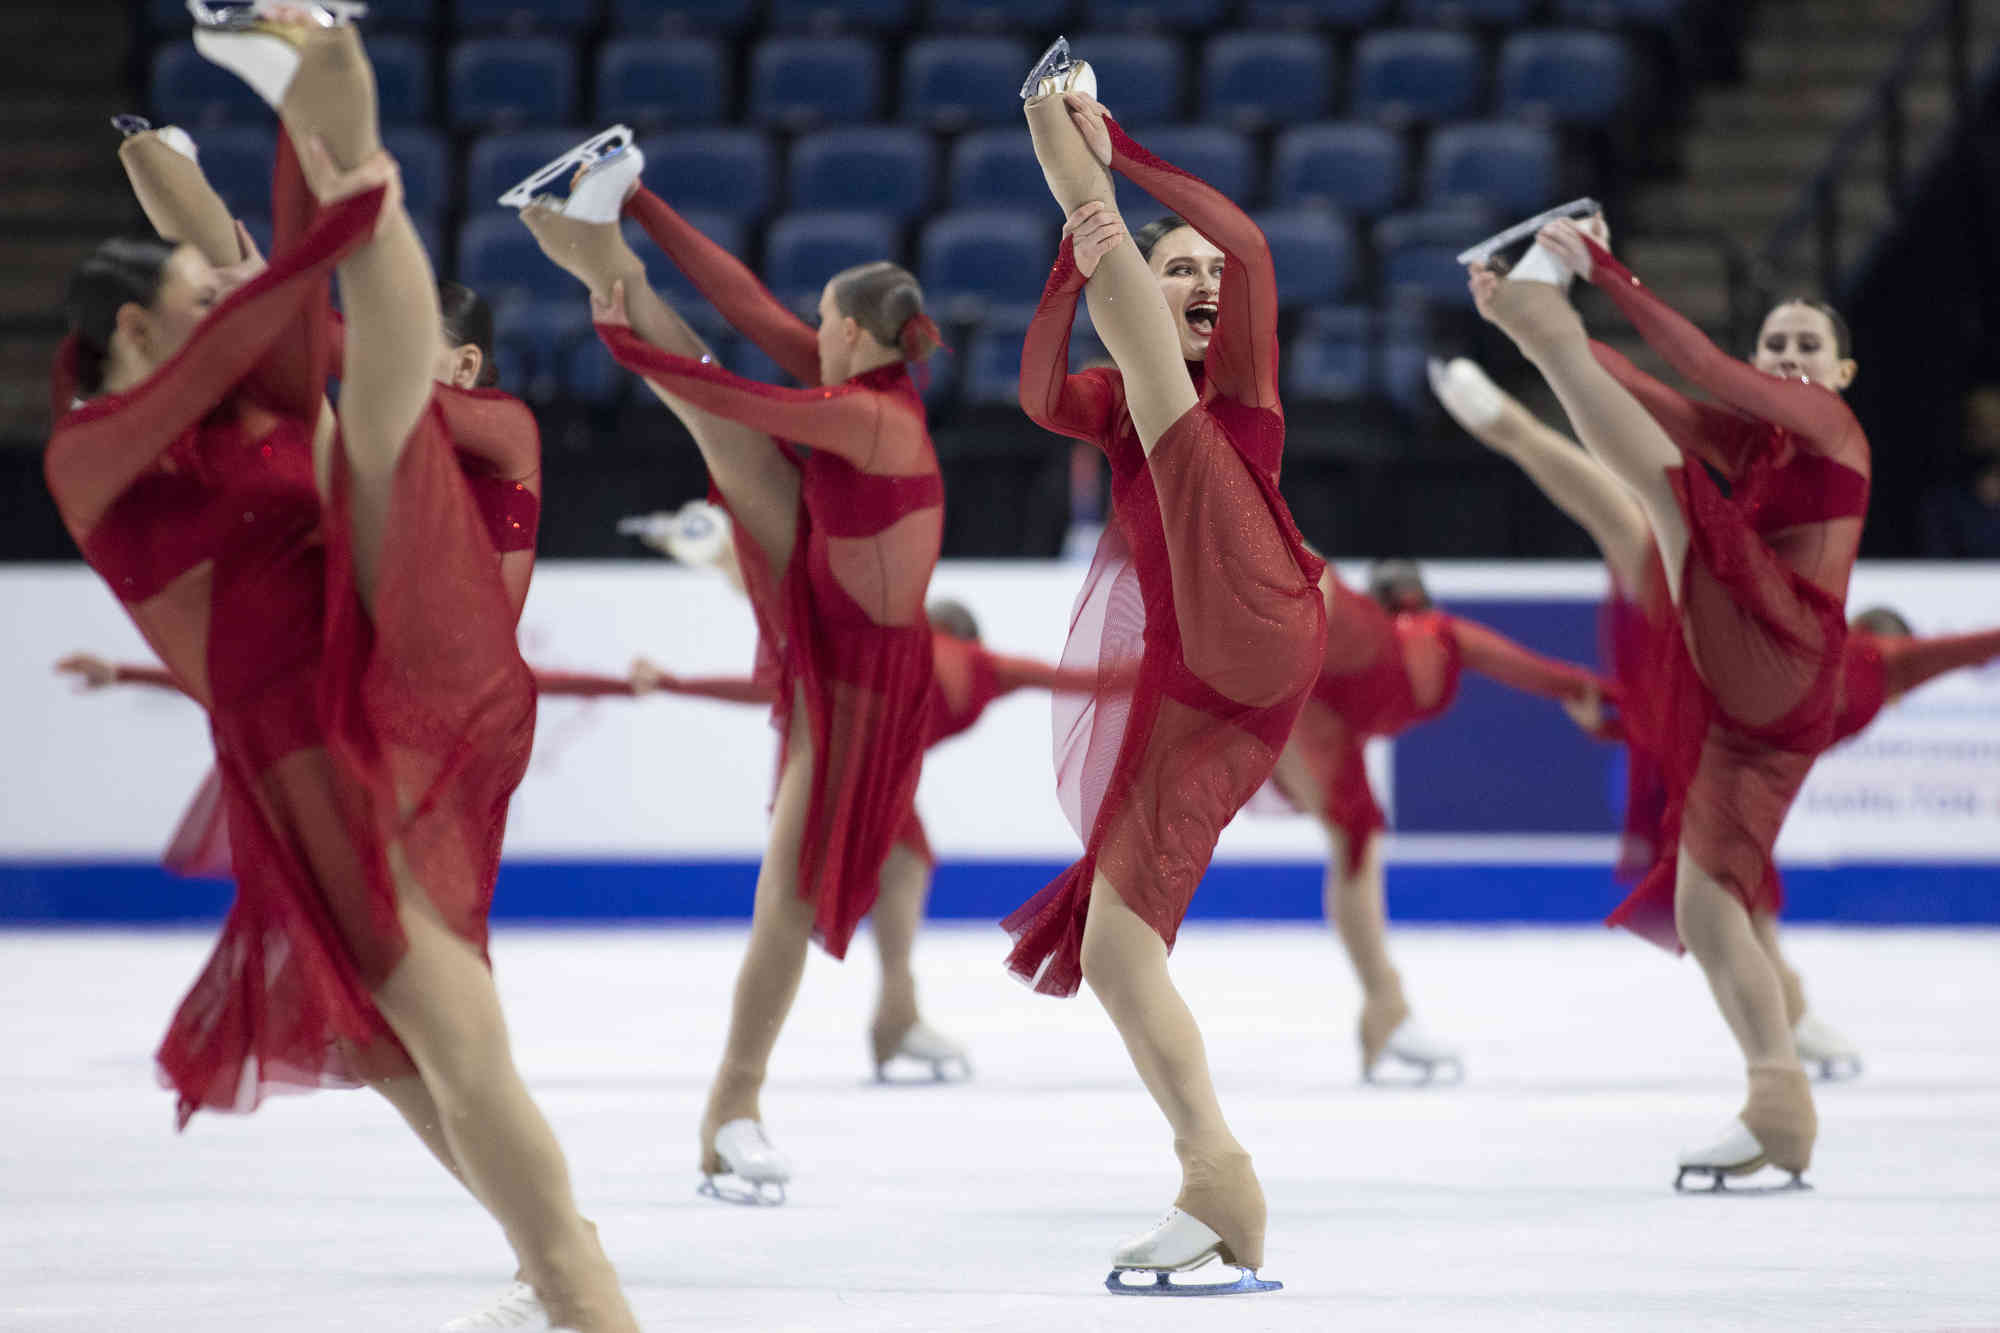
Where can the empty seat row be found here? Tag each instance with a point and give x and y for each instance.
(1246, 79)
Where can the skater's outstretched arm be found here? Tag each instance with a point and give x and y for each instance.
(1493, 654)
(730, 287)
(1080, 406)
(1912, 662)
(1024, 673)
(1242, 359)
(94, 673)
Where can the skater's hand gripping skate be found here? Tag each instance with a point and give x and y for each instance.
(249, 264)
(1087, 114)
(332, 183)
(1094, 230)
(92, 673)
(1564, 239)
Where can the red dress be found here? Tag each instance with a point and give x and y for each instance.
(1762, 591)
(1878, 669)
(337, 731)
(1200, 613)
(842, 625)
(1383, 675)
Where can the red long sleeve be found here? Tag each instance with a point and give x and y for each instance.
(1493, 654)
(1082, 406)
(730, 287)
(580, 684)
(1242, 361)
(1809, 410)
(159, 677)
(1914, 662)
(584, 685)
(1713, 434)
(104, 446)
(852, 419)
(1023, 673)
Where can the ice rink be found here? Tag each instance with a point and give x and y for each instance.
(1535, 1196)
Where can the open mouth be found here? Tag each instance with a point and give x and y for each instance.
(1201, 318)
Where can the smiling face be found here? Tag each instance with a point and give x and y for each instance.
(1798, 341)
(1190, 274)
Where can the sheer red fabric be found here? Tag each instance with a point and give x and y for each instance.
(841, 627)
(339, 732)
(1763, 584)
(1199, 617)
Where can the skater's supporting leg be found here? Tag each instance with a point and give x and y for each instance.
(1357, 905)
(899, 910)
(413, 1101)
(1125, 964)
(1794, 987)
(1717, 931)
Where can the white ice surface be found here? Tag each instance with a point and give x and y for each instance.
(1535, 1196)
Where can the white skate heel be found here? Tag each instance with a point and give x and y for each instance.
(747, 1155)
(1058, 72)
(695, 534)
(1178, 1244)
(1822, 1047)
(173, 136)
(519, 1307)
(590, 182)
(260, 42)
(924, 1044)
(1473, 400)
(1736, 1153)
(1408, 1044)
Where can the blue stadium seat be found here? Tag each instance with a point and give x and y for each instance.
(1141, 70)
(237, 161)
(171, 16)
(1182, 14)
(750, 361)
(797, 83)
(1357, 168)
(1223, 158)
(1414, 75)
(1404, 352)
(188, 91)
(672, 17)
(1609, 13)
(402, 79)
(997, 15)
(1485, 13)
(951, 83)
(498, 256)
(1418, 253)
(1331, 358)
(872, 15)
(676, 286)
(803, 250)
(993, 364)
(731, 171)
(1507, 165)
(654, 81)
(1253, 79)
(1313, 253)
(512, 80)
(498, 162)
(426, 167)
(555, 16)
(591, 374)
(1564, 75)
(531, 340)
(975, 260)
(881, 169)
(1316, 13)
(995, 169)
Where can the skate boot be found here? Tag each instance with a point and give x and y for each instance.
(1525, 230)
(1825, 1050)
(262, 42)
(1058, 72)
(695, 534)
(923, 1044)
(741, 1150)
(1472, 399)
(589, 183)
(173, 136)
(1410, 1044)
(1777, 1127)
(519, 1307)
(1226, 1193)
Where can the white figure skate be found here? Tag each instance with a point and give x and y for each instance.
(173, 136)
(1178, 1244)
(1410, 1044)
(518, 1307)
(924, 1044)
(1736, 1153)
(1823, 1047)
(1525, 230)
(695, 534)
(1473, 400)
(590, 182)
(260, 42)
(749, 1157)
(1058, 72)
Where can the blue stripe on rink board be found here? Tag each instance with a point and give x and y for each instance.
(142, 893)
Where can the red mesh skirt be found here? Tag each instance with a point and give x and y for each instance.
(1217, 607)
(1332, 753)
(410, 728)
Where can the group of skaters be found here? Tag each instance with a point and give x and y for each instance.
(336, 576)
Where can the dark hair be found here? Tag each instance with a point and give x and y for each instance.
(122, 269)
(1843, 337)
(887, 301)
(1149, 235)
(953, 618)
(468, 319)
(1391, 582)
(1884, 622)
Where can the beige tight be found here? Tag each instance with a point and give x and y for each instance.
(899, 910)
(1125, 964)
(1793, 985)
(178, 199)
(1717, 930)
